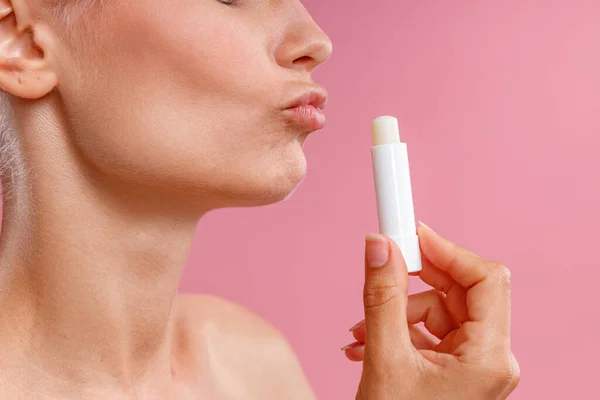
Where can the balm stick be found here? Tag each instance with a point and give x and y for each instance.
(394, 193)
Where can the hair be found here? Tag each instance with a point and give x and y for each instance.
(6, 132)
(12, 168)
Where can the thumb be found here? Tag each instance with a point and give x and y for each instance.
(385, 299)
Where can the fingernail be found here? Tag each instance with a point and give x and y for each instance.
(424, 225)
(351, 346)
(430, 229)
(361, 323)
(377, 250)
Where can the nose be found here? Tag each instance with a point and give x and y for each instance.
(304, 46)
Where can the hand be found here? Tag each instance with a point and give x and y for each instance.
(468, 311)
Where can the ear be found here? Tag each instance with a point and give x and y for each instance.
(24, 71)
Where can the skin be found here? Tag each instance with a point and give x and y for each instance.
(135, 120)
(466, 352)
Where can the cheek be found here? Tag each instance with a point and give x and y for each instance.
(172, 98)
(193, 66)
(199, 44)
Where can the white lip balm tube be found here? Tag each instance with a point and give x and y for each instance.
(394, 193)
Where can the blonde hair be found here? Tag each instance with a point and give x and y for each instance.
(12, 168)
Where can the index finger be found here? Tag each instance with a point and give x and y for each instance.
(487, 283)
(465, 267)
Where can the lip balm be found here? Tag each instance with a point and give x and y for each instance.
(393, 189)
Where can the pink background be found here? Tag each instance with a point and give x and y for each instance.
(500, 105)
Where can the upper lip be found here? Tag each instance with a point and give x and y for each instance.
(316, 97)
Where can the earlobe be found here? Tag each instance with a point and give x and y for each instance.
(24, 71)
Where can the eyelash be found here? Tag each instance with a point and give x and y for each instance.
(227, 2)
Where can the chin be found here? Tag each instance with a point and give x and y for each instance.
(283, 191)
(282, 188)
(272, 186)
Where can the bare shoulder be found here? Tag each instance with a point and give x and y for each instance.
(204, 311)
(251, 348)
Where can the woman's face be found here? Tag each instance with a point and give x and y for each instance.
(188, 96)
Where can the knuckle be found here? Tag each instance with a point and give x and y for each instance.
(375, 296)
(455, 262)
(504, 372)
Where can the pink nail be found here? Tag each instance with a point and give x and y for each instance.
(377, 250)
(358, 325)
(352, 345)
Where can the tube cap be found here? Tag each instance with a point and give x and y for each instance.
(409, 246)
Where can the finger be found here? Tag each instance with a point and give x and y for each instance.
(385, 298)
(466, 268)
(435, 277)
(487, 283)
(360, 334)
(427, 307)
(359, 324)
(430, 308)
(420, 339)
(356, 351)
(456, 295)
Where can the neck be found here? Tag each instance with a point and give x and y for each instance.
(91, 278)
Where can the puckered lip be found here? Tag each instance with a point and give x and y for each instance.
(315, 97)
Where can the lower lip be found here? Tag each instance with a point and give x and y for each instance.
(308, 116)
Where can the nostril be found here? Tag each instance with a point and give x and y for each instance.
(304, 60)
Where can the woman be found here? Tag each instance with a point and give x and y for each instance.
(124, 123)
